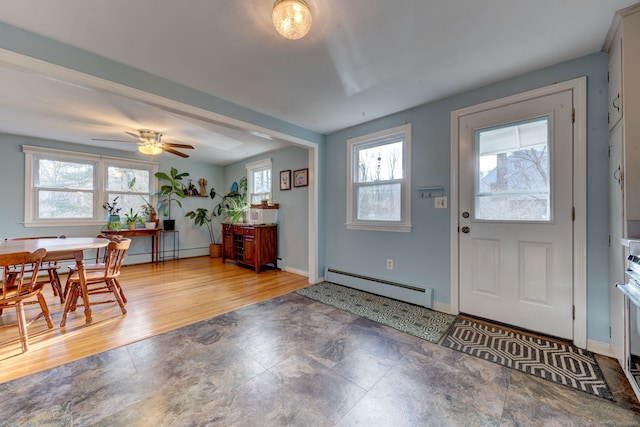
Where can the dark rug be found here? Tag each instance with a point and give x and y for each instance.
(561, 363)
(419, 321)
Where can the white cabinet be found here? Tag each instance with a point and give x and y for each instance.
(614, 78)
(622, 45)
(616, 250)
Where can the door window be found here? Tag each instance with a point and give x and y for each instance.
(512, 172)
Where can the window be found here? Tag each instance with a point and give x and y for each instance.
(129, 183)
(512, 172)
(259, 181)
(67, 188)
(378, 181)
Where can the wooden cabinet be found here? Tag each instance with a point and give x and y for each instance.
(252, 245)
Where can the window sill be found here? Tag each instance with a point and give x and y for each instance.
(64, 223)
(401, 228)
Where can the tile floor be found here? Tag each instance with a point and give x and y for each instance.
(292, 361)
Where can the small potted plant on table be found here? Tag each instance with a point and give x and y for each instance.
(132, 219)
(152, 217)
(113, 223)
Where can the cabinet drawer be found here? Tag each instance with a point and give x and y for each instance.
(247, 231)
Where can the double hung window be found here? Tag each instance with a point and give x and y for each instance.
(259, 181)
(378, 183)
(68, 188)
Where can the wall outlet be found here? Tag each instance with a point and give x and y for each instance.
(389, 264)
(440, 202)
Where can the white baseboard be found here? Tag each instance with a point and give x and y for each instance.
(296, 271)
(442, 307)
(603, 348)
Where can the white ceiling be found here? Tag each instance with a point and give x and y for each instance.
(363, 59)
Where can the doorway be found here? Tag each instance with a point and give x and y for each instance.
(513, 228)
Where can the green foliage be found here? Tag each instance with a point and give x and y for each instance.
(112, 208)
(202, 216)
(172, 188)
(235, 205)
(133, 217)
(234, 209)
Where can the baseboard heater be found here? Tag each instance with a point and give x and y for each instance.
(386, 288)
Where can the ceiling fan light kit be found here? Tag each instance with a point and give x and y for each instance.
(292, 18)
(150, 142)
(150, 149)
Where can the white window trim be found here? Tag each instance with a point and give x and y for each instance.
(405, 224)
(101, 163)
(260, 164)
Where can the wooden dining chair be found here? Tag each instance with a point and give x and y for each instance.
(50, 267)
(101, 278)
(20, 284)
(99, 262)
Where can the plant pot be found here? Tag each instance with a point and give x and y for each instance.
(169, 224)
(215, 251)
(114, 222)
(150, 225)
(131, 225)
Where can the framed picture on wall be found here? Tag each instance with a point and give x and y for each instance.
(301, 177)
(285, 180)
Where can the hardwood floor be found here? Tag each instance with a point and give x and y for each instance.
(160, 297)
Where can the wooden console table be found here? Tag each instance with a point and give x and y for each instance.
(153, 232)
(252, 245)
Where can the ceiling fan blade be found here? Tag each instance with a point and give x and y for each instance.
(135, 135)
(113, 140)
(175, 145)
(177, 153)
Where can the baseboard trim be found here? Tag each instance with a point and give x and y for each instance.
(603, 348)
(442, 307)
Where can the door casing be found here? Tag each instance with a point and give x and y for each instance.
(579, 88)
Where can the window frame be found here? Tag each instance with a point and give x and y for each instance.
(34, 154)
(403, 133)
(251, 169)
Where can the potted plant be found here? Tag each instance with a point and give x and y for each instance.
(148, 210)
(234, 209)
(113, 222)
(235, 205)
(152, 216)
(132, 219)
(171, 191)
(202, 216)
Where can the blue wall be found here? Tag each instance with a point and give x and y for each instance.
(422, 256)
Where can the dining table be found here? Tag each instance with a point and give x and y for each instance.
(70, 248)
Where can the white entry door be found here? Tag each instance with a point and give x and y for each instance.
(516, 214)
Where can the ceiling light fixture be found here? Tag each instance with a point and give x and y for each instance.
(150, 149)
(292, 18)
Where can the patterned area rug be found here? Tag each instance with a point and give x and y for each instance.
(421, 322)
(552, 361)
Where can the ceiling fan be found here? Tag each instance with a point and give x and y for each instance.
(150, 142)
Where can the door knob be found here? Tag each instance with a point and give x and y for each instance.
(465, 229)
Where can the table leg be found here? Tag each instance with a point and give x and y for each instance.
(82, 275)
(157, 246)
